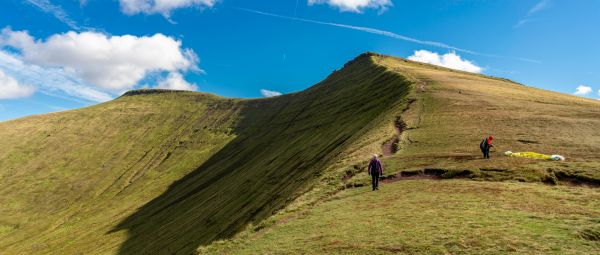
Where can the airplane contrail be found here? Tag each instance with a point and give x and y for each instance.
(383, 33)
(296, 9)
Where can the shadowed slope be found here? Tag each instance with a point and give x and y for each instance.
(164, 172)
(281, 144)
(439, 134)
(177, 169)
(67, 178)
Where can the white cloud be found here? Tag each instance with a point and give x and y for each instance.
(10, 88)
(175, 81)
(112, 63)
(270, 93)
(54, 10)
(355, 5)
(449, 60)
(541, 5)
(164, 7)
(51, 81)
(583, 90)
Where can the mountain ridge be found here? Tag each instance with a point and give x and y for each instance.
(158, 171)
(166, 152)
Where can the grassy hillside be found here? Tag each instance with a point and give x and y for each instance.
(435, 217)
(68, 178)
(454, 111)
(165, 172)
(437, 137)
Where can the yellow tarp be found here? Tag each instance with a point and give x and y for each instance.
(530, 155)
(534, 155)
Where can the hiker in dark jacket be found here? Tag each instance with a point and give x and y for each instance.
(375, 171)
(485, 146)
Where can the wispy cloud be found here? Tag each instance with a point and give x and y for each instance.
(540, 6)
(522, 22)
(384, 33)
(50, 81)
(56, 11)
(528, 60)
(365, 29)
(132, 7)
(270, 93)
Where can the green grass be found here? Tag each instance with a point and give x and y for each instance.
(67, 178)
(434, 217)
(165, 172)
(455, 110)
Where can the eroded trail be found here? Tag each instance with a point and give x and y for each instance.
(392, 145)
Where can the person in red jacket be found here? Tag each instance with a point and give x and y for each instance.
(485, 146)
(375, 171)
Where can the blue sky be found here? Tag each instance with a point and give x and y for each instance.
(59, 55)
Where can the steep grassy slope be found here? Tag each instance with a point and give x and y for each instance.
(281, 144)
(438, 137)
(166, 172)
(161, 172)
(67, 178)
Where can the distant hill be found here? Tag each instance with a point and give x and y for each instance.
(163, 172)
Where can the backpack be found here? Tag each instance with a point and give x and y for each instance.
(374, 167)
(483, 144)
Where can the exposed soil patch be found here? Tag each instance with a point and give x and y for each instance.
(434, 172)
(527, 141)
(576, 180)
(420, 176)
(554, 178)
(393, 249)
(492, 169)
(392, 146)
(458, 158)
(351, 172)
(428, 173)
